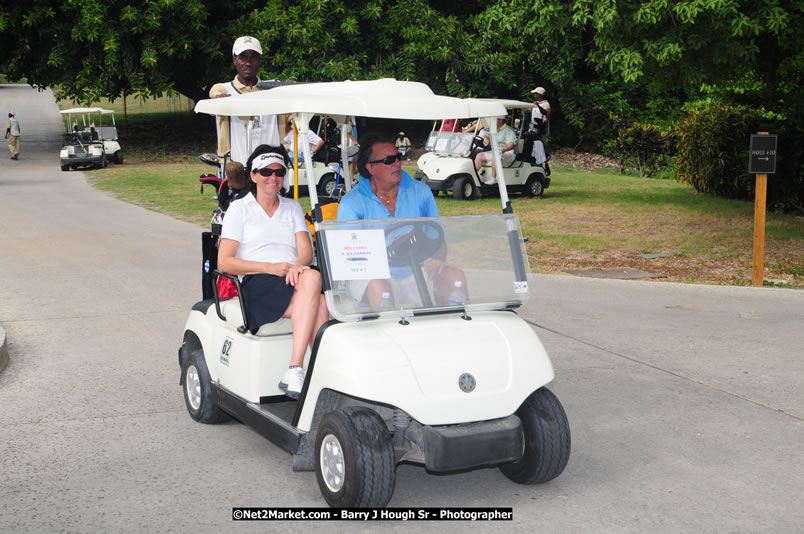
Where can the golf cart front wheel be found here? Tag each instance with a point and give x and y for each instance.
(547, 440)
(118, 157)
(354, 462)
(65, 167)
(197, 388)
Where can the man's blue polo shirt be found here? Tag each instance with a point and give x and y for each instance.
(413, 200)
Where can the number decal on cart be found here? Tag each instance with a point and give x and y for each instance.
(225, 349)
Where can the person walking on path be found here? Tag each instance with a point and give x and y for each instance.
(13, 135)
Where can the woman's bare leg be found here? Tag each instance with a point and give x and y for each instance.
(303, 313)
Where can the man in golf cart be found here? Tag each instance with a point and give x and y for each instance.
(246, 55)
(313, 140)
(386, 191)
(506, 139)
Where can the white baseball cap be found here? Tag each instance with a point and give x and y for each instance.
(263, 160)
(10, 113)
(246, 43)
(539, 90)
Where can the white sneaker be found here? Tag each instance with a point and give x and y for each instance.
(491, 181)
(292, 382)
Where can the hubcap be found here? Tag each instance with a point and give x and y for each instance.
(329, 187)
(467, 189)
(192, 384)
(332, 463)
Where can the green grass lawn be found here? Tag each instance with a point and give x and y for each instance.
(585, 220)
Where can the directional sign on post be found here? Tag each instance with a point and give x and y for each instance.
(763, 154)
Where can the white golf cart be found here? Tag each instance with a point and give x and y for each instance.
(328, 176)
(87, 141)
(452, 385)
(449, 163)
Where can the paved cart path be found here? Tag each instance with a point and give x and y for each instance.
(686, 402)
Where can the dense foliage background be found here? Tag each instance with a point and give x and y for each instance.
(618, 74)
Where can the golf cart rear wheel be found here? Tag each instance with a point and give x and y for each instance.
(65, 167)
(547, 440)
(326, 186)
(118, 157)
(463, 188)
(354, 461)
(535, 186)
(197, 388)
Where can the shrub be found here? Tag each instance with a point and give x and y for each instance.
(712, 150)
(641, 144)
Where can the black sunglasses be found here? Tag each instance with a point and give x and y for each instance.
(388, 160)
(265, 171)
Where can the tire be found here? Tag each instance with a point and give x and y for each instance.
(65, 167)
(326, 186)
(535, 186)
(463, 188)
(435, 192)
(547, 440)
(118, 157)
(354, 459)
(197, 388)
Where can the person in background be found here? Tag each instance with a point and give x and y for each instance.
(540, 127)
(232, 132)
(13, 135)
(266, 243)
(506, 140)
(313, 140)
(236, 174)
(402, 144)
(540, 118)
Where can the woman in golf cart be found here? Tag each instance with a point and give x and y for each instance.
(386, 191)
(266, 242)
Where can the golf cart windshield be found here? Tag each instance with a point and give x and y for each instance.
(423, 265)
(450, 143)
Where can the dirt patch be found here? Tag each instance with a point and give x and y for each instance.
(582, 160)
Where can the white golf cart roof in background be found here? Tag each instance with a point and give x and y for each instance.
(86, 110)
(509, 104)
(385, 99)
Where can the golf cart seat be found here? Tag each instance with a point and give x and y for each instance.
(231, 310)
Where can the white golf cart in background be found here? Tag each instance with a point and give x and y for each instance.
(451, 385)
(449, 163)
(328, 174)
(88, 142)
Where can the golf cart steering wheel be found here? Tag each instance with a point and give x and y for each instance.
(416, 241)
(421, 240)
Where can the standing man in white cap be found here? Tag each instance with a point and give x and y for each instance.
(403, 144)
(246, 55)
(541, 113)
(13, 135)
(540, 125)
(540, 119)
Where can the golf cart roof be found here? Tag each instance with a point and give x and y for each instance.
(86, 110)
(509, 104)
(384, 98)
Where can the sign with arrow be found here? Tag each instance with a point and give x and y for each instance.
(762, 159)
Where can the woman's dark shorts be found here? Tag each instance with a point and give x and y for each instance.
(266, 297)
